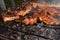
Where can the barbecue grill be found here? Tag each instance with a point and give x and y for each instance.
(17, 30)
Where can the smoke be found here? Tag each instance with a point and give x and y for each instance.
(50, 1)
(40, 1)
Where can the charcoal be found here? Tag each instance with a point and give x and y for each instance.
(28, 32)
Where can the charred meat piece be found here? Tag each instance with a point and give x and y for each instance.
(48, 20)
(32, 20)
(33, 4)
(27, 7)
(26, 21)
(52, 11)
(6, 18)
(25, 11)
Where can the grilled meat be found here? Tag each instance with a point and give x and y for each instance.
(45, 14)
(6, 18)
(48, 20)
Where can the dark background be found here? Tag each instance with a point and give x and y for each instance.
(8, 4)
